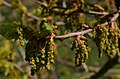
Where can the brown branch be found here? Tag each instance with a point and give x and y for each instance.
(112, 19)
(80, 11)
(115, 17)
(73, 34)
(7, 4)
(85, 67)
(32, 16)
(98, 13)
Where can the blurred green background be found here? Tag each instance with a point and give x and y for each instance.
(12, 54)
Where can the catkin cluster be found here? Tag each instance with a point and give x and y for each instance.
(40, 53)
(106, 38)
(82, 50)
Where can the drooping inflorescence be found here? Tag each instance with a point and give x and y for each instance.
(82, 50)
(40, 53)
(106, 38)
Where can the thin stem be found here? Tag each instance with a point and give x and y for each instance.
(73, 34)
(112, 19)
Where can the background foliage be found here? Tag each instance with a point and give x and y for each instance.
(32, 29)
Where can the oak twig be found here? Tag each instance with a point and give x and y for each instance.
(73, 34)
(112, 19)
